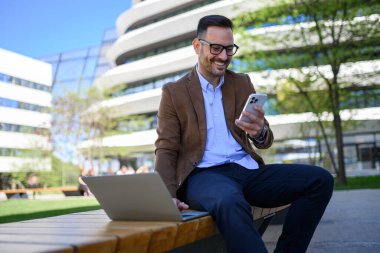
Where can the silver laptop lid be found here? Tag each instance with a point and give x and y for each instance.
(134, 197)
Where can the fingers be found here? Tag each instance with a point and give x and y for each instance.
(260, 112)
(252, 129)
(180, 205)
(256, 124)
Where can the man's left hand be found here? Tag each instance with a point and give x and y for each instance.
(256, 124)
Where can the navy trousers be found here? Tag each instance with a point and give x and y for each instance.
(227, 191)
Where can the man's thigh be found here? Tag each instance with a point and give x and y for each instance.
(280, 184)
(210, 186)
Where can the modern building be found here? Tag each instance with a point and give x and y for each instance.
(154, 48)
(25, 99)
(76, 70)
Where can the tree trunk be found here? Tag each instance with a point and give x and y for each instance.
(340, 151)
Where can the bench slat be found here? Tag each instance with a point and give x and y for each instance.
(206, 228)
(106, 244)
(186, 233)
(93, 231)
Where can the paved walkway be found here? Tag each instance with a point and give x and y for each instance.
(351, 224)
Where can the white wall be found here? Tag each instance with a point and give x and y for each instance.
(32, 70)
(20, 66)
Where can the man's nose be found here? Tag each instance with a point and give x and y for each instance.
(223, 55)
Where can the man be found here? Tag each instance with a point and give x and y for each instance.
(205, 157)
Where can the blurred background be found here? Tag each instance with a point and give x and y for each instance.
(80, 82)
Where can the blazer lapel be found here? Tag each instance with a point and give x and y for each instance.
(195, 91)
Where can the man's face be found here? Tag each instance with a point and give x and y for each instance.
(212, 67)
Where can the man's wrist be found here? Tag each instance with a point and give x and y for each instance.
(261, 137)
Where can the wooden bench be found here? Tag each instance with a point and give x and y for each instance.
(67, 190)
(93, 231)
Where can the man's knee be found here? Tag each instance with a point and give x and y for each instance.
(325, 181)
(231, 201)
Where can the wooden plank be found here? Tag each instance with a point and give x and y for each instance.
(88, 231)
(129, 240)
(162, 237)
(186, 233)
(257, 212)
(160, 234)
(280, 208)
(134, 242)
(81, 244)
(266, 212)
(162, 240)
(6, 247)
(206, 228)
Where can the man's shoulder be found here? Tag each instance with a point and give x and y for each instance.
(179, 83)
(236, 74)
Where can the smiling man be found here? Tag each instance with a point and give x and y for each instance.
(205, 155)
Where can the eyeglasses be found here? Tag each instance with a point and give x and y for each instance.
(216, 49)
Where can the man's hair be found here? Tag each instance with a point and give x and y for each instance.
(212, 20)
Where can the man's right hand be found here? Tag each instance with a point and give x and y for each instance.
(180, 205)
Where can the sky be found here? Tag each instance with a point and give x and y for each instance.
(38, 28)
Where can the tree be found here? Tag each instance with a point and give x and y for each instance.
(76, 118)
(328, 36)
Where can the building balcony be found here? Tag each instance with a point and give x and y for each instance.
(26, 68)
(166, 31)
(265, 81)
(158, 65)
(25, 95)
(13, 164)
(16, 140)
(283, 126)
(145, 10)
(24, 117)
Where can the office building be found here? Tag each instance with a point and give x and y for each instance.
(25, 99)
(154, 48)
(76, 70)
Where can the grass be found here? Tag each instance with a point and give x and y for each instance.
(23, 209)
(19, 210)
(368, 182)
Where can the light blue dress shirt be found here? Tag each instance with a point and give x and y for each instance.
(221, 147)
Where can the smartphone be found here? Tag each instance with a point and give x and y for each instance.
(253, 99)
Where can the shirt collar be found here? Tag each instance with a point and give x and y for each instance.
(206, 84)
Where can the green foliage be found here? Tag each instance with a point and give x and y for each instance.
(79, 117)
(323, 35)
(61, 174)
(369, 182)
(283, 11)
(131, 123)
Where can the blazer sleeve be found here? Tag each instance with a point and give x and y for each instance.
(168, 141)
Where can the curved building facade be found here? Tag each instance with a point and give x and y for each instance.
(154, 48)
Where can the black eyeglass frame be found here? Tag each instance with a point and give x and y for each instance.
(234, 47)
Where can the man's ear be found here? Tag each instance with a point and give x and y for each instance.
(196, 45)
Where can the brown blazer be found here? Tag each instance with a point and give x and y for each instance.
(182, 125)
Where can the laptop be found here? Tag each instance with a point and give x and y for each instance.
(137, 197)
